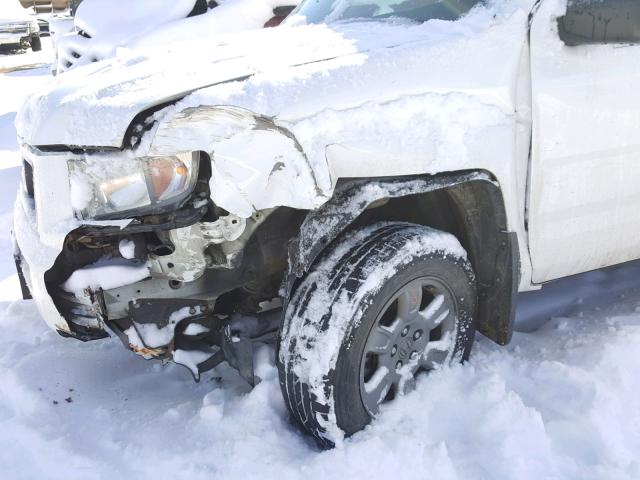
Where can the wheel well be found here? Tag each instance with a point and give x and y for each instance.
(473, 211)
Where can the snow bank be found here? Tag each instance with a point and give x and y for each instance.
(560, 402)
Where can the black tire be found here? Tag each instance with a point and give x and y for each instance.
(331, 316)
(36, 43)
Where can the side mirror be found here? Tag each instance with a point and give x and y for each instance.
(589, 22)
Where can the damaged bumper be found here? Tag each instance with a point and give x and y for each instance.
(168, 285)
(188, 265)
(42, 224)
(185, 329)
(33, 259)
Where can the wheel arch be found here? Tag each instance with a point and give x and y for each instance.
(466, 204)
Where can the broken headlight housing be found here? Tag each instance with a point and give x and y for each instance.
(115, 187)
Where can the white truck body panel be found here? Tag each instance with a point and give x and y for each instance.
(584, 209)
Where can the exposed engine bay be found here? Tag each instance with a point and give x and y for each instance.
(195, 286)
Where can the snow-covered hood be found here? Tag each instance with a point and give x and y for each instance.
(289, 72)
(95, 105)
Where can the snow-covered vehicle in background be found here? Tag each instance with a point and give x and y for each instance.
(18, 27)
(368, 184)
(100, 28)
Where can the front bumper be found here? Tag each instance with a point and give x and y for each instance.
(34, 258)
(41, 225)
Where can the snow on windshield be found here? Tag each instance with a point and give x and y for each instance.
(419, 10)
(155, 25)
(229, 16)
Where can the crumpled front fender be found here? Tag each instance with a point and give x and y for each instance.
(256, 163)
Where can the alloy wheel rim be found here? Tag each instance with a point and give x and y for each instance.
(414, 332)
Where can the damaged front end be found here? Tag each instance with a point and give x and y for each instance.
(149, 253)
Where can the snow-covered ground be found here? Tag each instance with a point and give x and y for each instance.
(562, 401)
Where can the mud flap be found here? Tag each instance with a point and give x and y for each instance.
(238, 352)
(26, 293)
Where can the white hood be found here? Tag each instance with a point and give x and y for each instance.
(95, 105)
(289, 72)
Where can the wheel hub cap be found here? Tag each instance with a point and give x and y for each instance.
(414, 332)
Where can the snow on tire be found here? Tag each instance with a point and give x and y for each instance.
(385, 303)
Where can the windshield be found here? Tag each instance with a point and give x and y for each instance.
(328, 11)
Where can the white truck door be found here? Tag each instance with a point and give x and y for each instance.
(584, 185)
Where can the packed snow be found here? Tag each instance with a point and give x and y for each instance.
(562, 401)
(106, 275)
(127, 248)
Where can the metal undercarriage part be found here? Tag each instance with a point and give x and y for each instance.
(209, 289)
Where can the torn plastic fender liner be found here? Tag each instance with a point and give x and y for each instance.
(497, 275)
(256, 164)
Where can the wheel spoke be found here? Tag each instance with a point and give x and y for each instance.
(435, 354)
(409, 300)
(412, 333)
(380, 340)
(435, 313)
(407, 384)
(377, 387)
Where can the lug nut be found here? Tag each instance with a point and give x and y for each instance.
(405, 331)
(417, 334)
(192, 310)
(398, 365)
(414, 355)
(394, 350)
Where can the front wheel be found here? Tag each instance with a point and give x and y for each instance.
(388, 302)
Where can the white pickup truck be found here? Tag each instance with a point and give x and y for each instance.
(368, 185)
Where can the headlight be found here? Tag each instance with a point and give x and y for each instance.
(107, 187)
